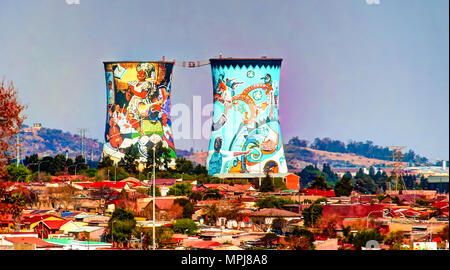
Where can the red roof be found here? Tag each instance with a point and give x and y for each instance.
(54, 224)
(37, 218)
(163, 181)
(205, 244)
(110, 184)
(66, 178)
(440, 204)
(318, 192)
(164, 203)
(30, 240)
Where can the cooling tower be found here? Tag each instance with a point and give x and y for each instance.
(138, 107)
(246, 135)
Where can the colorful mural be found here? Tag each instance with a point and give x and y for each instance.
(138, 107)
(246, 136)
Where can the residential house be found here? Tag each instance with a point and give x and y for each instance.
(262, 219)
(88, 233)
(48, 227)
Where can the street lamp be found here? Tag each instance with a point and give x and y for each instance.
(17, 180)
(75, 167)
(39, 165)
(112, 234)
(154, 199)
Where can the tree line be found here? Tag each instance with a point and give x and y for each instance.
(366, 149)
(364, 183)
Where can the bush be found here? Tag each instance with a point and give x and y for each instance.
(181, 189)
(185, 225)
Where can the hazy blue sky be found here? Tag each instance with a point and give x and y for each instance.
(350, 70)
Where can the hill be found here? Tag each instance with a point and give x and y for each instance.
(300, 157)
(50, 142)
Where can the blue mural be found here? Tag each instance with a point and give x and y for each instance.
(246, 136)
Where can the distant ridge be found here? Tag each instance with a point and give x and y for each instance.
(50, 142)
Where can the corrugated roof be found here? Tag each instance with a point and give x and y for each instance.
(55, 224)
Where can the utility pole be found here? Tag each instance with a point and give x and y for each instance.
(154, 199)
(18, 149)
(397, 157)
(82, 135)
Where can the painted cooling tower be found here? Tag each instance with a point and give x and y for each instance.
(246, 135)
(138, 107)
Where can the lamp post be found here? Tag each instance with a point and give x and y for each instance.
(17, 180)
(112, 234)
(154, 199)
(39, 166)
(75, 167)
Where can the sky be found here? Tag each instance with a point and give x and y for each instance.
(351, 70)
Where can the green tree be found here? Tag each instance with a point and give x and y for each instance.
(312, 215)
(182, 165)
(319, 183)
(163, 235)
(269, 239)
(181, 189)
(423, 182)
(91, 172)
(394, 237)
(32, 162)
(185, 225)
(188, 207)
(309, 174)
(301, 239)
(121, 225)
(129, 162)
(343, 187)
(18, 173)
(361, 238)
(212, 193)
(16, 205)
(199, 169)
(371, 172)
(278, 224)
(365, 185)
(298, 142)
(266, 184)
(59, 162)
(330, 176)
(212, 213)
(150, 191)
(106, 161)
(47, 165)
(162, 158)
(196, 196)
(272, 202)
(81, 163)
